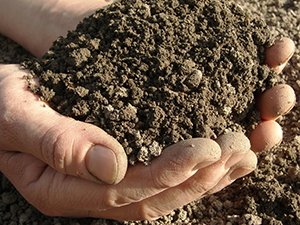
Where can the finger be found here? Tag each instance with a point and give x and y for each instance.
(276, 101)
(177, 164)
(241, 169)
(69, 146)
(265, 136)
(279, 54)
(234, 148)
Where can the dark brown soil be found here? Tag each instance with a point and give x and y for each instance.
(153, 73)
(270, 195)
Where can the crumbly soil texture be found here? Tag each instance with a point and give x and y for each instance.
(269, 195)
(153, 73)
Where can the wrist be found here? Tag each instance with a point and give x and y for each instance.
(36, 24)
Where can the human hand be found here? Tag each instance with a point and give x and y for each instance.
(50, 159)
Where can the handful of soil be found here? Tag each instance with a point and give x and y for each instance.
(152, 73)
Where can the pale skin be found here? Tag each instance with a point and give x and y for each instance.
(50, 158)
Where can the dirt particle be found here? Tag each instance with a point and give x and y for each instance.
(194, 79)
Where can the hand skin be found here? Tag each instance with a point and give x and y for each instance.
(50, 158)
(36, 24)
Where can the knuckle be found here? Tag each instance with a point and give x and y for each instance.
(114, 203)
(177, 166)
(164, 179)
(53, 149)
(197, 188)
(150, 213)
(112, 199)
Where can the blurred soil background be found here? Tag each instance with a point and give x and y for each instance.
(270, 195)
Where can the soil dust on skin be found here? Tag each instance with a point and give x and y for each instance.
(270, 195)
(153, 73)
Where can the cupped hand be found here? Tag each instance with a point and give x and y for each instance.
(63, 166)
(52, 161)
(59, 164)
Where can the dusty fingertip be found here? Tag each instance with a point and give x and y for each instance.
(232, 143)
(265, 136)
(279, 54)
(206, 149)
(276, 101)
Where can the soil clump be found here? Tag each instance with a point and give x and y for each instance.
(153, 73)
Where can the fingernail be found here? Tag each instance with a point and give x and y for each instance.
(240, 172)
(102, 163)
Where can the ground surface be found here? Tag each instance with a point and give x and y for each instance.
(270, 195)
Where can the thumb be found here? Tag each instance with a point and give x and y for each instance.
(69, 146)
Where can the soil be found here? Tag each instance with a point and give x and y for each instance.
(152, 73)
(189, 90)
